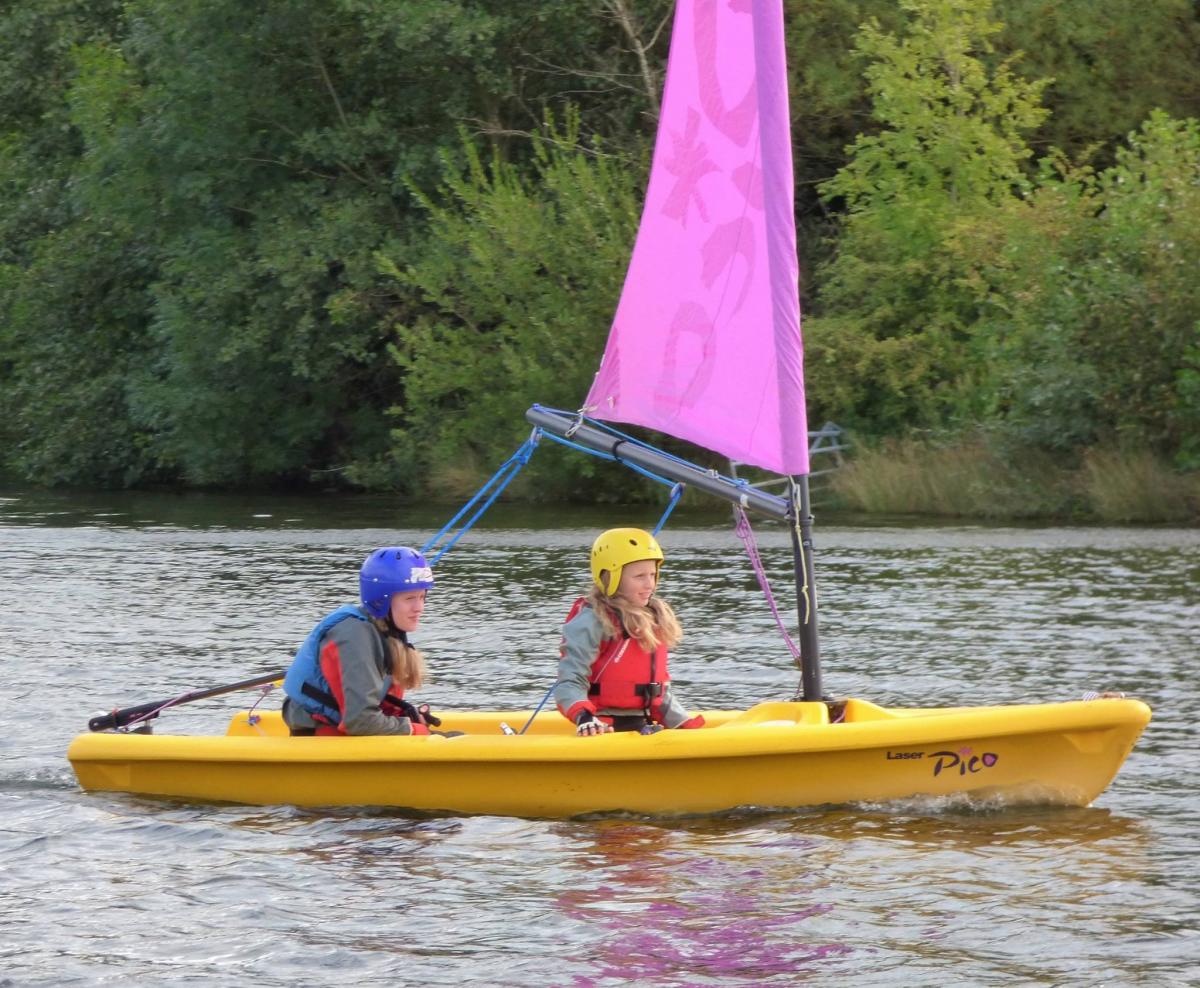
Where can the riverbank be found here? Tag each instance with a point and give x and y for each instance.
(876, 484)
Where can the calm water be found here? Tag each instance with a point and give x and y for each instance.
(108, 601)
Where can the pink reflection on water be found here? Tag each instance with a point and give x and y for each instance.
(691, 921)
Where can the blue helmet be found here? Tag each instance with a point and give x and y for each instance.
(394, 569)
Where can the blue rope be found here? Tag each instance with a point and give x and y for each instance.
(601, 455)
(538, 708)
(513, 465)
(676, 493)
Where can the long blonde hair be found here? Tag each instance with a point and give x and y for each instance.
(408, 664)
(651, 625)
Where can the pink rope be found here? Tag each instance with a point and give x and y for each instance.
(746, 534)
(251, 717)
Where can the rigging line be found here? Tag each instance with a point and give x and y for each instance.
(513, 464)
(676, 493)
(746, 534)
(600, 454)
(251, 717)
(538, 708)
(478, 514)
(148, 716)
(524, 448)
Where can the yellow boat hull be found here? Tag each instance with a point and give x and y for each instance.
(772, 755)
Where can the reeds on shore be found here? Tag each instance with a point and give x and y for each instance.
(971, 478)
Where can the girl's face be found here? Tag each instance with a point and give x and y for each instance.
(638, 581)
(406, 609)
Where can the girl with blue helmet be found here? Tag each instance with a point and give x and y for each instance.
(350, 674)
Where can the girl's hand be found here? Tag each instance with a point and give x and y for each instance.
(586, 724)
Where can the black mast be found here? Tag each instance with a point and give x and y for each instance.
(800, 521)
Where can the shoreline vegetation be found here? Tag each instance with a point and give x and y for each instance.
(972, 479)
(953, 478)
(945, 477)
(934, 479)
(319, 246)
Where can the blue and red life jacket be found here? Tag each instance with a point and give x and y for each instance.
(307, 682)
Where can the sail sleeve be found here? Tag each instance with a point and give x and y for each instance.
(705, 344)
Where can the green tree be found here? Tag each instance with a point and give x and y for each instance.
(892, 344)
(1091, 301)
(63, 414)
(73, 321)
(249, 162)
(518, 287)
(265, 159)
(194, 195)
(1111, 63)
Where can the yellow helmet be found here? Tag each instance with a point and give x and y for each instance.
(618, 547)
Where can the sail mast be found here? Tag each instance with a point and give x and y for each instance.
(801, 519)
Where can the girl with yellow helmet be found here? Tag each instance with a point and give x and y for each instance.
(612, 674)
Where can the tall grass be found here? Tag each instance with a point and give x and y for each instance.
(1137, 487)
(971, 479)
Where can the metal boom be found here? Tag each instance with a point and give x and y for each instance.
(581, 431)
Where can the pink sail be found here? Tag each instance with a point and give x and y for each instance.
(705, 345)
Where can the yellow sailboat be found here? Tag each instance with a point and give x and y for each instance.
(705, 346)
(772, 755)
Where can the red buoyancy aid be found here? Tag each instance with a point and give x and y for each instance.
(624, 675)
(389, 705)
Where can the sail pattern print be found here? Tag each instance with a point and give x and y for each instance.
(705, 344)
(688, 165)
(736, 121)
